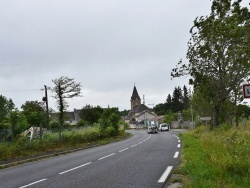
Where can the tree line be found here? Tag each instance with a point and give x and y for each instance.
(34, 113)
(219, 61)
(177, 102)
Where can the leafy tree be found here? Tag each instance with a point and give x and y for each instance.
(6, 106)
(91, 114)
(219, 53)
(82, 123)
(171, 116)
(110, 120)
(35, 113)
(18, 123)
(64, 88)
(124, 112)
(160, 109)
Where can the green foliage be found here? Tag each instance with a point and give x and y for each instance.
(64, 88)
(82, 123)
(110, 118)
(217, 158)
(22, 147)
(35, 113)
(91, 114)
(218, 54)
(177, 102)
(170, 117)
(6, 106)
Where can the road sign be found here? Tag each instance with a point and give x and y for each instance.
(205, 118)
(246, 91)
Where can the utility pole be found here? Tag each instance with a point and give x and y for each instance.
(45, 99)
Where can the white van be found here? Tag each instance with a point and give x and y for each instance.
(164, 127)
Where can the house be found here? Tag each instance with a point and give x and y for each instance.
(70, 117)
(140, 114)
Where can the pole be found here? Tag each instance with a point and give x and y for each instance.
(47, 107)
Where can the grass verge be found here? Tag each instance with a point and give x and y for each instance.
(24, 150)
(218, 158)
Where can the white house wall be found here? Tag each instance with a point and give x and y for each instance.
(144, 116)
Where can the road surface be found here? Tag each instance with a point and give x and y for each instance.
(142, 161)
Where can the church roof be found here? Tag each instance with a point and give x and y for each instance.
(137, 109)
(135, 94)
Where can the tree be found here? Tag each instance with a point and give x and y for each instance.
(91, 114)
(177, 100)
(185, 98)
(219, 53)
(169, 103)
(160, 109)
(35, 113)
(6, 106)
(64, 88)
(110, 120)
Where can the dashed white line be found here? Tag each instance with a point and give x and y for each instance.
(176, 154)
(165, 174)
(106, 156)
(74, 168)
(133, 145)
(33, 183)
(178, 146)
(123, 150)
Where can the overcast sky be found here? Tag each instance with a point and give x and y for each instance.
(107, 45)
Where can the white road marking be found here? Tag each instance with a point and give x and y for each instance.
(74, 168)
(165, 174)
(33, 183)
(133, 145)
(106, 156)
(176, 155)
(178, 146)
(123, 150)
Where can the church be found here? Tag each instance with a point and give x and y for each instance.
(139, 115)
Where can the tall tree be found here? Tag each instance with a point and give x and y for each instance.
(35, 113)
(169, 103)
(6, 106)
(185, 98)
(91, 114)
(177, 99)
(64, 88)
(219, 53)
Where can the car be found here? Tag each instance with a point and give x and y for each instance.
(164, 127)
(152, 129)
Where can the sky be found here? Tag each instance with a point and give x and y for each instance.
(107, 45)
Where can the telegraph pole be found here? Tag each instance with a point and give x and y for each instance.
(45, 99)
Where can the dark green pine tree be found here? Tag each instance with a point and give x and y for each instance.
(177, 100)
(168, 104)
(185, 98)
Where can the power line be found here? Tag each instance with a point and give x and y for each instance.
(20, 90)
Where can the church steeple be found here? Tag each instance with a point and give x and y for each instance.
(135, 98)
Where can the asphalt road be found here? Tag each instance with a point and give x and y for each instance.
(137, 162)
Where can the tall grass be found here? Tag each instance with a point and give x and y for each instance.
(218, 158)
(82, 138)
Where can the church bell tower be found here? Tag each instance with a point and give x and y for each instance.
(135, 99)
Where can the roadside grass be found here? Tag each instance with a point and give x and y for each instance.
(22, 148)
(218, 158)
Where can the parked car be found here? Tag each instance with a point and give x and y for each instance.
(152, 129)
(164, 127)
